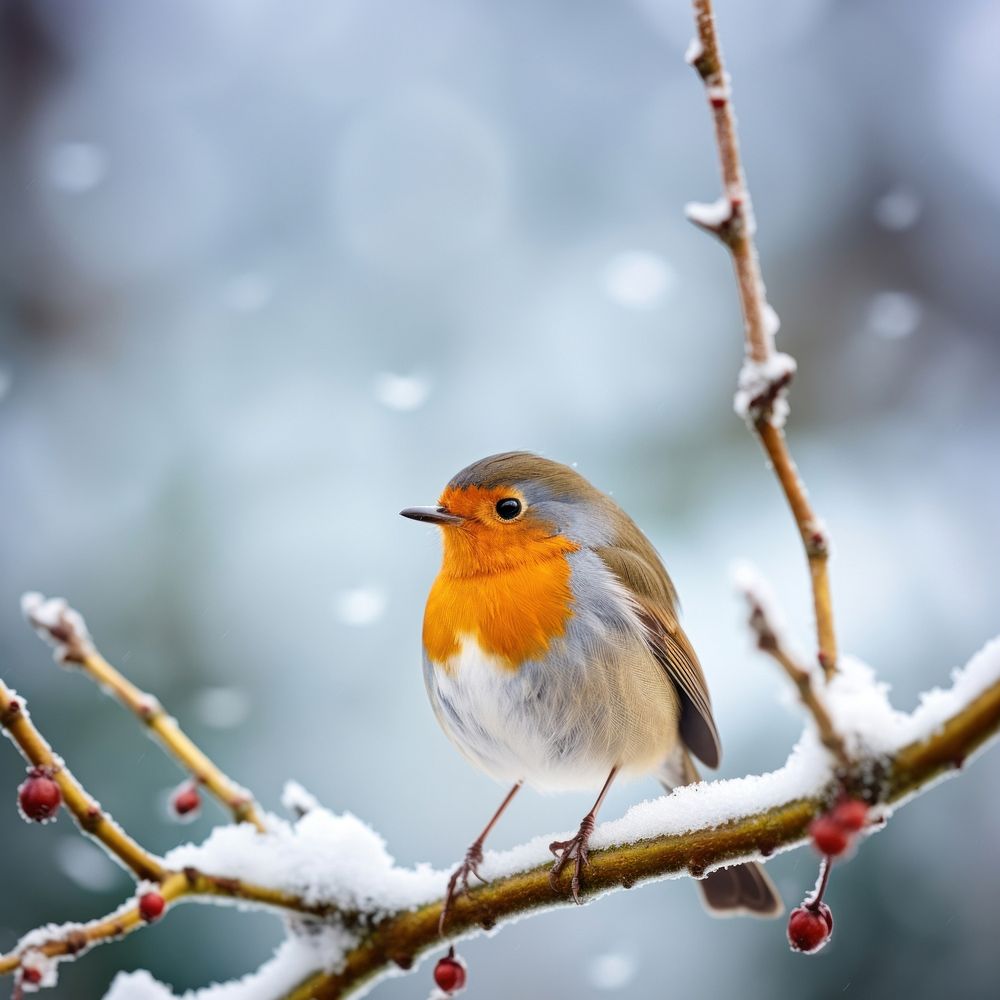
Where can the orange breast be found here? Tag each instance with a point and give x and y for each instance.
(513, 614)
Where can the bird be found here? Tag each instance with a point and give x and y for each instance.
(554, 658)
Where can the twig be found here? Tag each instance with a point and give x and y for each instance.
(94, 821)
(191, 885)
(86, 811)
(769, 640)
(64, 629)
(400, 938)
(766, 373)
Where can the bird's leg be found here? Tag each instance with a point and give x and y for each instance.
(575, 850)
(459, 881)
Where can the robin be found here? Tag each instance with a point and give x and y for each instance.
(553, 655)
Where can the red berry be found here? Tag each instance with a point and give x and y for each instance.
(809, 929)
(151, 906)
(39, 797)
(851, 814)
(449, 973)
(185, 800)
(829, 837)
(30, 974)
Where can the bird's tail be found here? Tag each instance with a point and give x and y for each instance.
(727, 892)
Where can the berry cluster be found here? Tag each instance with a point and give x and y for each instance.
(811, 924)
(833, 833)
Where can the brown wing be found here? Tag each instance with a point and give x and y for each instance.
(635, 562)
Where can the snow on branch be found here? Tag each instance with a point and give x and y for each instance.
(764, 623)
(354, 916)
(377, 917)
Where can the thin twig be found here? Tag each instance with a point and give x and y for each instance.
(189, 884)
(769, 641)
(86, 811)
(732, 220)
(65, 630)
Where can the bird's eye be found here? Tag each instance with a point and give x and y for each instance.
(508, 508)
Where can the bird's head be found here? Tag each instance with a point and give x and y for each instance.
(515, 508)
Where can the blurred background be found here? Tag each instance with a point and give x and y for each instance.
(271, 271)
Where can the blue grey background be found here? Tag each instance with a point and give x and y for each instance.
(271, 271)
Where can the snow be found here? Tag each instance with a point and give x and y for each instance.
(711, 215)
(45, 968)
(297, 957)
(324, 858)
(938, 705)
(756, 380)
(772, 321)
(694, 51)
(749, 583)
(47, 615)
(298, 800)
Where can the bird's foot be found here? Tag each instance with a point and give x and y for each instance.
(575, 850)
(459, 881)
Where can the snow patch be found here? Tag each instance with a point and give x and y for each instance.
(709, 215)
(759, 381)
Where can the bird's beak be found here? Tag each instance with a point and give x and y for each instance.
(432, 515)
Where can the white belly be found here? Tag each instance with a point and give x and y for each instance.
(562, 724)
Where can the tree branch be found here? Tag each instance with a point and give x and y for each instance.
(766, 373)
(769, 640)
(192, 883)
(65, 630)
(86, 811)
(401, 938)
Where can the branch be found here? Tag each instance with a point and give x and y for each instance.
(189, 882)
(400, 938)
(763, 624)
(65, 630)
(86, 811)
(766, 373)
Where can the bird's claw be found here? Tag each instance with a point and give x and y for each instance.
(459, 881)
(574, 850)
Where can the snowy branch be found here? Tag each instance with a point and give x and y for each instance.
(760, 397)
(764, 625)
(356, 916)
(689, 832)
(65, 630)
